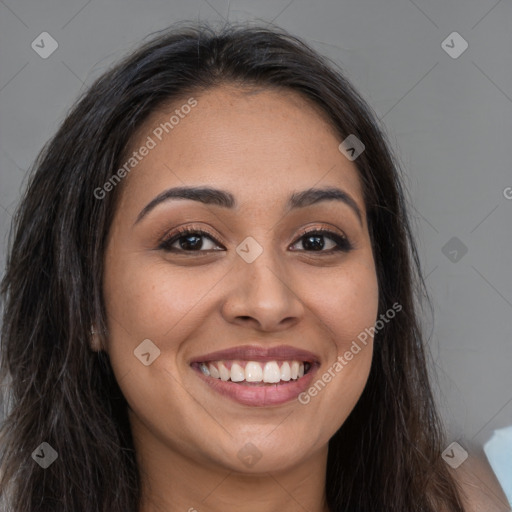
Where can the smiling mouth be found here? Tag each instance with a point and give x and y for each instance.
(254, 373)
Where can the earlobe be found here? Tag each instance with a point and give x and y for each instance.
(94, 340)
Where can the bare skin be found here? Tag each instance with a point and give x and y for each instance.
(261, 147)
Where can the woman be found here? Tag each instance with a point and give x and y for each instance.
(210, 296)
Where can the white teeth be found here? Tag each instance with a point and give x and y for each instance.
(270, 372)
(295, 369)
(237, 373)
(213, 371)
(253, 372)
(286, 374)
(224, 372)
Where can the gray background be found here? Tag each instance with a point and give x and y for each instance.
(449, 120)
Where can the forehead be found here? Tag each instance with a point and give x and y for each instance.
(260, 144)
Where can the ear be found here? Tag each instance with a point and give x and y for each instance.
(94, 340)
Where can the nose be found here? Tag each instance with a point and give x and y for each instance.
(262, 295)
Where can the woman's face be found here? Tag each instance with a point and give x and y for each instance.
(253, 285)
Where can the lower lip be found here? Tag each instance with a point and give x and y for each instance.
(260, 396)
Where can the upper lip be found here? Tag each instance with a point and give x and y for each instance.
(258, 353)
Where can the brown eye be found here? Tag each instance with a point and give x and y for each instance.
(189, 240)
(313, 241)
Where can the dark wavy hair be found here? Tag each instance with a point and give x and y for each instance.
(386, 455)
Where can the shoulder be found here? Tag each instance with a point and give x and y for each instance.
(479, 488)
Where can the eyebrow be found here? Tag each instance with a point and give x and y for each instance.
(225, 199)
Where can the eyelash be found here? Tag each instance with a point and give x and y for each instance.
(342, 242)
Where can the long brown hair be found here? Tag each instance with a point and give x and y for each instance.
(385, 457)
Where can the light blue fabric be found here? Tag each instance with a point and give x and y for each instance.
(499, 453)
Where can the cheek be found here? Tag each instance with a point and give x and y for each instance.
(358, 304)
(345, 302)
(355, 308)
(346, 313)
(150, 298)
